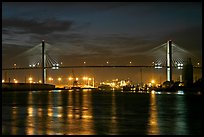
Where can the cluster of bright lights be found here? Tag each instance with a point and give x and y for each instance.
(70, 78)
(50, 78)
(55, 66)
(180, 66)
(34, 65)
(158, 65)
(30, 79)
(15, 81)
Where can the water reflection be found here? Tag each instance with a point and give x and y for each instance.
(62, 113)
(92, 113)
(114, 122)
(180, 119)
(14, 122)
(153, 128)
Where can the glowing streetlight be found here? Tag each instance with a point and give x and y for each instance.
(15, 81)
(153, 81)
(30, 78)
(85, 78)
(50, 79)
(89, 79)
(70, 78)
(3, 81)
(59, 79)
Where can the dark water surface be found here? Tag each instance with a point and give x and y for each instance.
(100, 113)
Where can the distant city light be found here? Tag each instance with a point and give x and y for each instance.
(85, 78)
(153, 92)
(15, 81)
(107, 62)
(30, 78)
(3, 81)
(50, 78)
(70, 78)
(84, 62)
(130, 62)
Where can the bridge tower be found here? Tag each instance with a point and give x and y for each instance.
(43, 63)
(169, 60)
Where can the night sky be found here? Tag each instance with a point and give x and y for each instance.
(98, 32)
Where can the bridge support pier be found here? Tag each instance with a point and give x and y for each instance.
(169, 60)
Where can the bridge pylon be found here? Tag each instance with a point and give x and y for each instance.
(43, 63)
(169, 60)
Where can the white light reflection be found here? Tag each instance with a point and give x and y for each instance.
(153, 128)
(113, 116)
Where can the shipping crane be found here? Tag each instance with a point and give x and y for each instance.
(75, 81)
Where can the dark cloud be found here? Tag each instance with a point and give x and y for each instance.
(36, 26)
(188, 38)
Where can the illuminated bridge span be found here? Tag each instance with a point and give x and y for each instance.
(122, 66)
(168, 55)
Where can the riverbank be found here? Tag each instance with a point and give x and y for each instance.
(26, 86)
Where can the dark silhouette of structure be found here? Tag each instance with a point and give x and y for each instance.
(188, 73)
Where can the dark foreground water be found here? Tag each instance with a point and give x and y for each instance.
(100, 113)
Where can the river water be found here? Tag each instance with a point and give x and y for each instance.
(68, 112)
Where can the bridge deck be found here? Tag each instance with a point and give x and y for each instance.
(110, 66)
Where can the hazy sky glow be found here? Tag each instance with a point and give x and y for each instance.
(96, 32)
